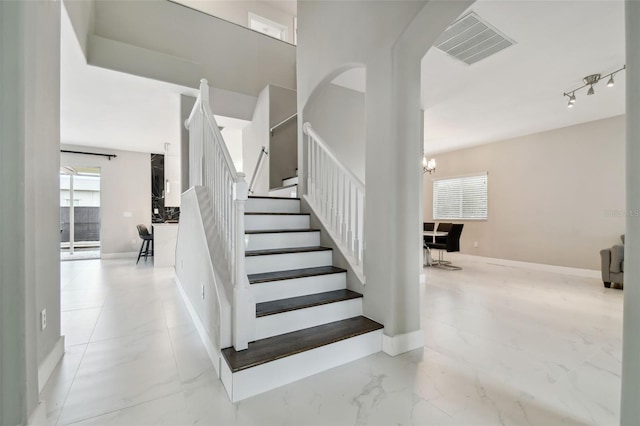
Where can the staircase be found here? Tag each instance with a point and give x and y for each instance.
(307, 321)
(289, 188)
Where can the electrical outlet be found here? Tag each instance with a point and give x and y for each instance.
(43, 319)
(475, 244)
(202, 292)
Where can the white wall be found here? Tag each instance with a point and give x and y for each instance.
(180, 45)
(389, 38)
(283, 149)
(125, 188)
(555, 197)
(238, 12)
(29, 233)
(233, 140)
(337, 114)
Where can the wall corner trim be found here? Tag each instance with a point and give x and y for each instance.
(49, 364)
(402, 343)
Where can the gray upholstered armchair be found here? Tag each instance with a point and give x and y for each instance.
(613, 264)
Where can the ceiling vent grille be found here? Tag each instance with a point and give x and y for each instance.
(471, 39)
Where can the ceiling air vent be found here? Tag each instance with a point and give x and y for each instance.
(471, 39)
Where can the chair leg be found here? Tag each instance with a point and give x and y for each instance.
(146, 252)
(607, 285)
(140, 252)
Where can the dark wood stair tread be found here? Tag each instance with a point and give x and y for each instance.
(285, 250)
(274, 198)
(293, 273)
(275, 214)
(277, 347)
(279, 231)
(293, 303)
(284, 187)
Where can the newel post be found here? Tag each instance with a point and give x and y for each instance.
(244, 305)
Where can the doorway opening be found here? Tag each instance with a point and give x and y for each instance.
(79, 213)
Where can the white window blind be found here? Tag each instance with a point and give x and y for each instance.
(460, 198)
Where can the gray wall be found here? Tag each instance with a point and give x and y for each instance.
(283, 145)
(180, 45)
(125, 187)
(29, 200)
(555, 197)
(254, 136)
(337, 114)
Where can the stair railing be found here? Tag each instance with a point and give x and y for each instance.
(263, 155)
(337, 197)
(210, 165)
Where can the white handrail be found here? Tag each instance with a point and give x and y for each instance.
(337, 197)
(210, 165)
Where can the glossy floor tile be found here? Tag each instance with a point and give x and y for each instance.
(503, 345)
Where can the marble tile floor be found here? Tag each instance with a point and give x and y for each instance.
(503, 345)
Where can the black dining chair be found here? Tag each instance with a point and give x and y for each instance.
(147, 239)
(443, 227)
(452, 244)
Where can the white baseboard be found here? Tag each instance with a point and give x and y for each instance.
(49, 364)
(213, 352)
(587, 273)
(402, 343)
(38, 416)
(127, 255)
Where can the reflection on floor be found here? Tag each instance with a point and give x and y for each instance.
(80, 254)
(503, 346)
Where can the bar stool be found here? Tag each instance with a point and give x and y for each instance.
(147, 239)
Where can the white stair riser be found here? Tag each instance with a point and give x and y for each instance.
(266, 205)
(290, 181)
(290, 192)
(286, 322)
(266, 222)
(287, 261)
(282, 240)
(283, 289)
(271, 375)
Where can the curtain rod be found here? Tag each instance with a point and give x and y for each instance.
(89, 153)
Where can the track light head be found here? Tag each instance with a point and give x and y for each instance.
(570, 104)
(572, 98)
(610, 83)
(591, 91)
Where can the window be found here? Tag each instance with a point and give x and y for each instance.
(460, 198)
(268, 27)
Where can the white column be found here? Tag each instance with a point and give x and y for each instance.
(630, 404)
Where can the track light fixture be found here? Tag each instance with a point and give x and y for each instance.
(591, 80)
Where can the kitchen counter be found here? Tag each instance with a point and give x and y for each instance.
(165, 236)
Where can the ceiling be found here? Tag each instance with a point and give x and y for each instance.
(518, 91)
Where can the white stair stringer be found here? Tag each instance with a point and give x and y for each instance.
(286, 322)
(252, 381)
(289, 191)
(290, 181)
(282, 289)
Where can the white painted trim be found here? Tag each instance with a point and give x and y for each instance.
(49, 364)
(213, 352)
(132, 254)
(578, 272)
(38, 416)
(401, 343)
